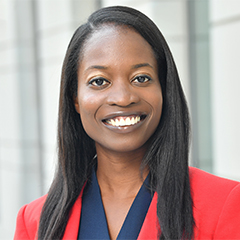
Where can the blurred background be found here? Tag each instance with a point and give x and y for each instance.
(204, 37)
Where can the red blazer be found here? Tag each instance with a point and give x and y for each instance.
(216, 211)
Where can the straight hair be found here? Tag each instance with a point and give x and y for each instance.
(166, 157)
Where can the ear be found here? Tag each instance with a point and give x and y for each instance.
(76, 104)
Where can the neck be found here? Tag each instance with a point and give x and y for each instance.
(120, 174)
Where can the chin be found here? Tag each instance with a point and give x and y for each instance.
(124, 148)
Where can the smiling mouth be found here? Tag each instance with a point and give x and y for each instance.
(122, 121)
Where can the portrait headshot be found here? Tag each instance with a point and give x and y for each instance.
(138, 153)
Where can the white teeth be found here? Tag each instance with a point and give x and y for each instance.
(119, 122)
(128, 121)
(112, 122)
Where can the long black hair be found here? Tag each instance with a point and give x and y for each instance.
(167, 156)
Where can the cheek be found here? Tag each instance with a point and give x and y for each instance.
(88, 106)
(87, 98)
(86, 109)
(87, 119)
(157, 110)
(156, 101)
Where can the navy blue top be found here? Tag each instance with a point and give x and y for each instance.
(93, 223)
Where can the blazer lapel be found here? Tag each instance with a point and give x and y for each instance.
(151, 228)
(71, 231)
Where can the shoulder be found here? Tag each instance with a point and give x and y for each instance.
(28, 219)
(200, 177)
(215, 205)
(217, 188)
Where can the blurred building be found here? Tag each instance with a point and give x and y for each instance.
(204, 37)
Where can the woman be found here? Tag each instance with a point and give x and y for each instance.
(123, 138)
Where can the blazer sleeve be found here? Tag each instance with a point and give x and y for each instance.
(228, 226)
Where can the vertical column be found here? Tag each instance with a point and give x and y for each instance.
(225, 55)
(54, 21)
(20, 172)
(31, 172)
(198, 22)
(9, 127)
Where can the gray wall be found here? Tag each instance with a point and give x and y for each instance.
(225, 85)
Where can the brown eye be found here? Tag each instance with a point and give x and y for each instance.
(99, 82)
(141, 79)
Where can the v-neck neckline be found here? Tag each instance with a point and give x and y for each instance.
(93, 224)
(136, 213)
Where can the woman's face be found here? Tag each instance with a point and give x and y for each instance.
(119, 96)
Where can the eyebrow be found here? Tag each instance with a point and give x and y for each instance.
(96, 67)
(140, 65)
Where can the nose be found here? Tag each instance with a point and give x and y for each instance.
(122, 94)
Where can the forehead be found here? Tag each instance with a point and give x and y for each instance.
(110, 41)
